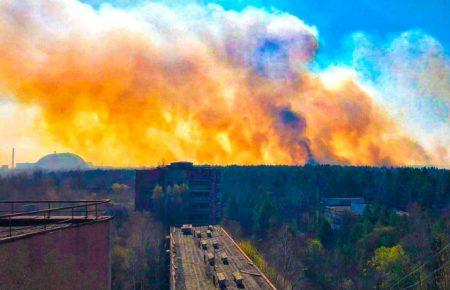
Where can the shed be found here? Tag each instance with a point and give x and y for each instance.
(221, 280)
(203, 245)
(224, 257)
(238, 278)
(210, 257)
(186, 229)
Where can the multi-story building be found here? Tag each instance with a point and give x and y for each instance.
(197, 188)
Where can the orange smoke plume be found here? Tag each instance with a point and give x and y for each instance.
(135, 87)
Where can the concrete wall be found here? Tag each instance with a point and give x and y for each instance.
(145, 182)
(204, 180)
(77, 257)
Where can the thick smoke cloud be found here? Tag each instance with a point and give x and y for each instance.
(412, 75)
(199, 83)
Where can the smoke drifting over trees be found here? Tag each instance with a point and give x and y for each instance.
(189, 82)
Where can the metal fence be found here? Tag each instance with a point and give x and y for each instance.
(48, 213)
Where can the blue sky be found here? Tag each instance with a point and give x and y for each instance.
(337, 19)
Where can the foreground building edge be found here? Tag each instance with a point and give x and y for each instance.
(248, 258)
(47, 251)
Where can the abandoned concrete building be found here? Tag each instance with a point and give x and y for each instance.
(201, 196)
(336, 208)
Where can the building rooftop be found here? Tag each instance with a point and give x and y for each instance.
(191, 268)
(342, 201)
(20, 219)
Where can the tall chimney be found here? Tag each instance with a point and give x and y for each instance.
(12, 159)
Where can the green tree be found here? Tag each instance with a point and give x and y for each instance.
(264, 217)
(325, 232)
(232, 210)
(391, 263)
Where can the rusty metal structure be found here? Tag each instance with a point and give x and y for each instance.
(27, 216)
(55, 244)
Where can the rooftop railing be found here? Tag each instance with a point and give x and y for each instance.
(21, 216)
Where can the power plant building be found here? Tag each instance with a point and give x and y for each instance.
(196, 188)
(55, 162)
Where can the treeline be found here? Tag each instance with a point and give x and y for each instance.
(295, 190)
(278, 211)
(64, 185)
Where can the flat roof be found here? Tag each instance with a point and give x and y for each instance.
(30, 217)
(25, 226)
(190, 271)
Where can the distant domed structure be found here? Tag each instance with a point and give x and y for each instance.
(62, 161)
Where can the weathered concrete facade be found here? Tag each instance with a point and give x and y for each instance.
(72, 256)
(202, 198)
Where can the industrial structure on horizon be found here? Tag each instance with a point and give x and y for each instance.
(51, 162)
(56, 162)
(201, 198)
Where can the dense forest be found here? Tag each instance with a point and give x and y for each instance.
(276, 213)
(298, 189)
